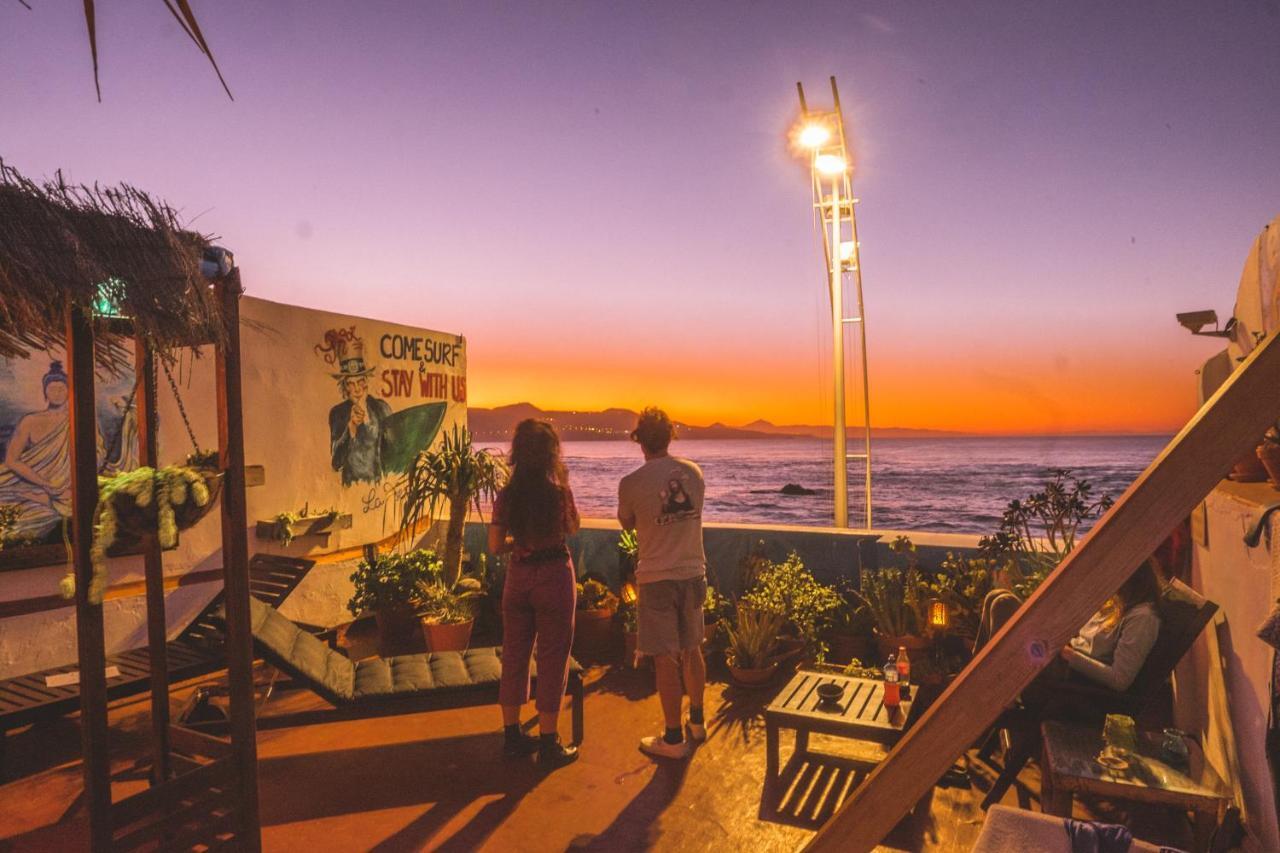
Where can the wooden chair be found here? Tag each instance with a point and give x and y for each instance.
(197, 651)
(1183, 615)
(379, 687)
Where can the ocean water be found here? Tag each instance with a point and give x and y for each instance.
(952, 485)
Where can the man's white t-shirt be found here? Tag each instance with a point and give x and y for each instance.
(663, 500)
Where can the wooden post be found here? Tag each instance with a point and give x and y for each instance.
(235, 562)
(90, 641)
(1229, 424)
(144, 401)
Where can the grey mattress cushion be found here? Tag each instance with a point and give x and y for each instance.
(427, 673)
(301, 655)
(433, 672)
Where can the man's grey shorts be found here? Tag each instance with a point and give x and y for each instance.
(669, 616)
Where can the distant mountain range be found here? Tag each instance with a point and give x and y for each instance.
(613, 424)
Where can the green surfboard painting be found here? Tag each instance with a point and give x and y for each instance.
(407, 433)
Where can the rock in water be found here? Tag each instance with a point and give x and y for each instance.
(795, 489)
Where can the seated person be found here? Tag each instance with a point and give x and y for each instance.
(1113, 645)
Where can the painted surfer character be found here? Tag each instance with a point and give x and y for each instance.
(355, 424)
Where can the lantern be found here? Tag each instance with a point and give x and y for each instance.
(629, 593)
(939, 616)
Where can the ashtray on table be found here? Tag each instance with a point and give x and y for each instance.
(830, 693)
(1113, 759)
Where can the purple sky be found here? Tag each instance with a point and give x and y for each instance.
(600, 197)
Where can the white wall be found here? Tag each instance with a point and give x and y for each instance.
(289, 391)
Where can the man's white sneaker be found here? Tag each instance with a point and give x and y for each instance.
(657, 745)
(697, 732)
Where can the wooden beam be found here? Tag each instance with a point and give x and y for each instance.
(90, 640)
(128, 589)
(1228, 425)
(235, 557)
(153, 566)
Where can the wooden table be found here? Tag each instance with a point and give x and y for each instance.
(1069, 768)
(860, 713)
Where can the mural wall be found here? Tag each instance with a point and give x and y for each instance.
(35, 442)
(335, 408)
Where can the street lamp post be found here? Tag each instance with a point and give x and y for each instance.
(821, 136)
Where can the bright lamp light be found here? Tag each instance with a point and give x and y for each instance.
(830, 164)
(814, 135)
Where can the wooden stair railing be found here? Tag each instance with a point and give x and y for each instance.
(1226, 427)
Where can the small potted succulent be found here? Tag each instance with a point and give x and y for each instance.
(1268, 453)
(752, 645)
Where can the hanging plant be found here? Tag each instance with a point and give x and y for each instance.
(145, 500)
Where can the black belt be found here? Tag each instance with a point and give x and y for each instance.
(546, 555)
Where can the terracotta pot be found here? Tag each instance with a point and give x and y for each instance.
(396, 626)
(447, 638)
(593, 632)
(846, 647)
(889, 645)
(753, 677)
(1249, 468)
(1269, 455)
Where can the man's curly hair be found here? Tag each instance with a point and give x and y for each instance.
(654, 430)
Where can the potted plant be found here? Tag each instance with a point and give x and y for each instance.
(806, 606)
(961, 584)
(455, 475)
(752, 643)
(387, 586)
(593, 625)
(893, 599)
(850, 632)
(1268, 453)
(1037, 533)
(156, 501)
(447, 614)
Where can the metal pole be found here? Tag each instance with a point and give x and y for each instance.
(866, 383)
(837, 355)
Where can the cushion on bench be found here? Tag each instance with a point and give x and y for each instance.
(285, 645)
(428, 672)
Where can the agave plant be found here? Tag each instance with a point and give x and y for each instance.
(457, 476)
(753, 637)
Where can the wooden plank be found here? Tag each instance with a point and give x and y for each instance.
(235, 555)
(198, 743)
(150, 800)
(153, 565)
(131, 589)
(1185, 472)
(90, 639)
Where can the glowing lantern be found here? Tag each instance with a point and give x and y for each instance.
(939, 616)
(629, 593)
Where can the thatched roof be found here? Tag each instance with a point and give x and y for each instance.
(59, 243)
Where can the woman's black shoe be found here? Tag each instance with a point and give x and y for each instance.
(556, 754)
(520, 746)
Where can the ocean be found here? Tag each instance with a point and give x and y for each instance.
(950, 485)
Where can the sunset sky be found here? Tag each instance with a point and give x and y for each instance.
(600, 195)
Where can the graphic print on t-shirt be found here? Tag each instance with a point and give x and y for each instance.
(676, 503)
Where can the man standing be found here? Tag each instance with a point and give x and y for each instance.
(662, 500)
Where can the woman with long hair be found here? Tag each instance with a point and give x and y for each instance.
(532, 517)
(1114, 644)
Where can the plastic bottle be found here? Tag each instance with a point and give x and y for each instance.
(892, 696)
(904, 668)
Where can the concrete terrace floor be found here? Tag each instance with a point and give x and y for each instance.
(437, 781)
